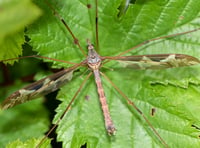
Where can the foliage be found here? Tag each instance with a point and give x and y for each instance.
(174, 93)
(14, 16)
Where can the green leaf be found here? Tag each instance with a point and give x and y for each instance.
(23, 122)
(14, 16)
(173, 93)
(29, 143)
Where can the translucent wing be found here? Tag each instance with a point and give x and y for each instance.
(39, 88)
(156, 61)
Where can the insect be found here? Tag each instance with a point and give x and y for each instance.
(153, 111)
(125, 118)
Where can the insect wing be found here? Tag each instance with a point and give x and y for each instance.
(39, 88)
(157, 61)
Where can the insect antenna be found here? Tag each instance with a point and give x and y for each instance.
(76, 41)
(138, 110)
(65, 111)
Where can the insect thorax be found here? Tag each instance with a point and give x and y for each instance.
(93, 59)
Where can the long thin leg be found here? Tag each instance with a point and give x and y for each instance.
(76, 41)
(96, 25)
(67, 108)
(138, 110)
(154, 39)
(37, 56)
